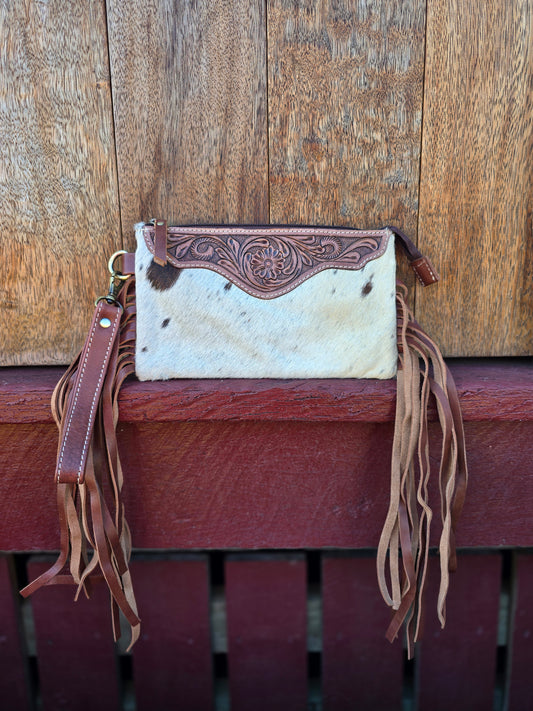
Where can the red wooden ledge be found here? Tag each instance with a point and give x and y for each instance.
(490, 390)
(270, 464)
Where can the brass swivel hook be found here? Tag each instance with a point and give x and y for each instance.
(115, 281)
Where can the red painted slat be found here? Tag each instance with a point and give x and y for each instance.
(266, 617)
(306, 485)
(172, 663)
(257, 484)
(360, 669)
(520, 685)
(75, 650)
(491, 390)
(210, 485)
(500, 490)
(457, 665)
(14, 686)
(28, 513)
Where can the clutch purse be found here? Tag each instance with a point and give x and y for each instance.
(257, 302)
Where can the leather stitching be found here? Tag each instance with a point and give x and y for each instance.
(95, 396)
(285, 231)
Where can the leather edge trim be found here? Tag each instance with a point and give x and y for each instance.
(206, 230)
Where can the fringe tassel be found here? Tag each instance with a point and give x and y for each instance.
(95, 540)
(421, 372)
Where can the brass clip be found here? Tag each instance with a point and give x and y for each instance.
(115, 281)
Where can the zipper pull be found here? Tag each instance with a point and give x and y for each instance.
(160, 242)
(420, 264)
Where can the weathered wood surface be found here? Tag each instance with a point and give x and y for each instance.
(520, 688)
(495, 391)
(14, 679)
(58, 185)
(217, 485)
(266, 619)
(457, 664)
(250, 112)
(189, 88)
(172, 663)
(476, 190)
(345, 111)
(360, 669)
(200, 441)
(75, 650)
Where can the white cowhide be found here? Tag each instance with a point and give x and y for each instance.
(337, 324)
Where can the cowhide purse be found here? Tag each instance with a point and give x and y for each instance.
(257, 302)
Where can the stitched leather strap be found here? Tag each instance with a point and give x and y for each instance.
(77, 426)
(125, 263)
(95, 541)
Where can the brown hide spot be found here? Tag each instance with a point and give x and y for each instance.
(162, 278)
(367, 288)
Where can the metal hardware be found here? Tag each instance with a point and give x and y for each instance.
(111, 266)
(115, 282)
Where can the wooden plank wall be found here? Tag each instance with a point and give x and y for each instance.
(416, 113)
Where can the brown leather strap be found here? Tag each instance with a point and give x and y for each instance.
(421, 265)
(95, 538)
(76, 428)
(425, 271)
(49, 575)
(125, 263)
(160, 242)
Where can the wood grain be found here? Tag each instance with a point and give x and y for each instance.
(360, 669)
(75, 650)
(494, 391)
(219, 485)
(172, 660)
(476, 193)
(266, 608)
(457, 665)
(189, 90)
(58, 186)
(14, 679)
(345, 103)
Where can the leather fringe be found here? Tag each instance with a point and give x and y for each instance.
(421, 373)
(95, 540)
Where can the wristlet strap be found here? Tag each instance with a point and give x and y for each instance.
(95, 541)
(77, 425)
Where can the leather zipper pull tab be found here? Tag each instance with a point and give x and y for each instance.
(420, 264)
(160, 242)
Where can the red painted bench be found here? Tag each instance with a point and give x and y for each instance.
(267, 498)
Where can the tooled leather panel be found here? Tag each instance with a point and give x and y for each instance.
(267, 262)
